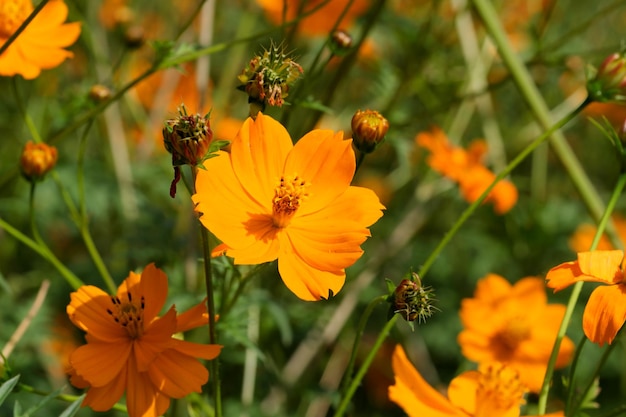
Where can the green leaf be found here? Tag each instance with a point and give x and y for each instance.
(588, 400)
(7, 387)
(73, 408)
(41, 403)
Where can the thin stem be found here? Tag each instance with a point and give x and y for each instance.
(572, 372)
(208, 276)
(20, 29)
(357, 339)
(543, 395)
(341, 409)
(509, 168)
(27, 119)
(64, 397)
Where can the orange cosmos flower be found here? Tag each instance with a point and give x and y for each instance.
(514, 325)
(583, 236)
(40, 45)
(605, 312)
(321, 21)
(129, 348)
(493, 390)
(465, 168)
(269, 199)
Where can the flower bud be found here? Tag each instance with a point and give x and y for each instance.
(37, 159)
(99, 93)
(609, 82)
(411, 299)
(267, 78)
(368, 130)
(134, 36)
(187, 138)
(340, 42)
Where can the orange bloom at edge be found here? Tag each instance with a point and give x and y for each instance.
(131, 349)
(493, 390)
(605, 312)
(514, 325)
(465, 168)
(268, 199)
(40, 45)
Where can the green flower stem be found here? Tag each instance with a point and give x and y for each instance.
(540, 110)
(20, 29)
(572, 372)
(44, 252)
(341, 409)
(509, 168)
(208, 276)
(357, 339)
(543, 395)
(63, 397)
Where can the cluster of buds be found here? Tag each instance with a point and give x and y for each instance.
(267, 77)
(609, 81)
(37, 159)
(189, 139)
(411, 299)
(369, 128)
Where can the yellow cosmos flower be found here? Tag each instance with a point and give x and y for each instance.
(493, 390)
(513, 324)
(269, 199)
(40, 45)
(131, 349)
(605, 312)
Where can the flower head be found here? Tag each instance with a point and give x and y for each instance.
(40, 45)
(131, 349)
(269, 199)
(514, 325)
(605, 312)
(411, 299)
(37, 159)
(369, 128)
(609, 82)
(493, 390)
(465, 168)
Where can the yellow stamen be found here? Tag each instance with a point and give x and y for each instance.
(12, 14)
(499, 390)
(288, 196)
(129, 315)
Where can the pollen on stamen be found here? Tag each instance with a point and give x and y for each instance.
(289, 194)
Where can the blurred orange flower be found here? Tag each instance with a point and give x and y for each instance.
(465, 168)
(513, 324)
(40, 45)
(321, 21)
(605, 312)
(583, 236)
(129, 348)
(493, 390)
(269, 199)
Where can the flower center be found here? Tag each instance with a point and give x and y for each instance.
(499, 390)
(290, 192)
(129, 315)
(514, 332)
(12, 14)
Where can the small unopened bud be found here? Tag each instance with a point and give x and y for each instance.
(37, 159)
(134, 36)
(368, 130)
(411, 299)
(99, 93)
(609, 81)
(341, 42)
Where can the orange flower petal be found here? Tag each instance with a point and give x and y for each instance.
(305, 281)
(153, 286)
(602, 266)
(197, 350)
(232, 216)
(177, 375)
(192, 318)
(104, 398)
(258, 155)
(156, 339)
(88, 310)
(327, 162)
(100, 363)
(413, 394)
(605, 313)
(53, 14)
(143, 399)
(564, 275)
(492, 288)
(462, 391)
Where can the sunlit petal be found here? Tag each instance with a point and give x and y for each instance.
(605, 313)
